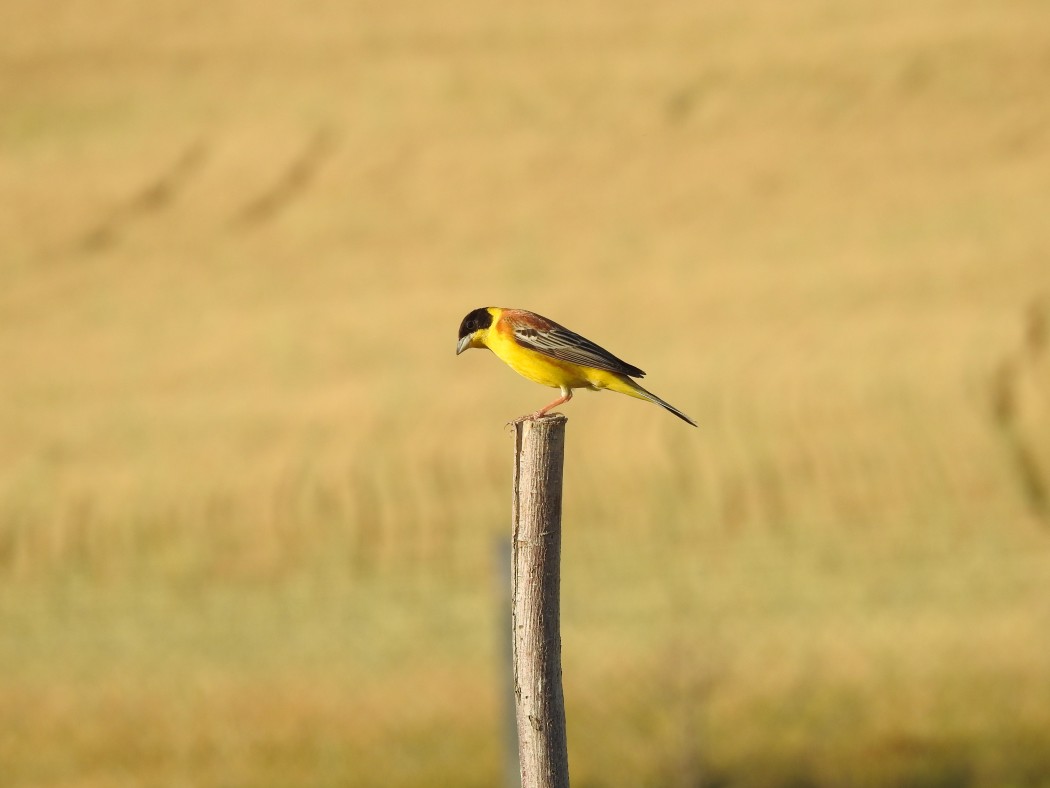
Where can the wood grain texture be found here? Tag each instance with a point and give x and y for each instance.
(536, 615)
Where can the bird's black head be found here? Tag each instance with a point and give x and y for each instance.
(475, 321)
(478, 320)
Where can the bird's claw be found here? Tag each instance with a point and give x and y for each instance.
(528, 417)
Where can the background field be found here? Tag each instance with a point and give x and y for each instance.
(251, 502)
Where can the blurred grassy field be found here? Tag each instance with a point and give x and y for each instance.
(249, 496)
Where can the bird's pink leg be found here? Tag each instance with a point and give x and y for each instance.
(565, 397)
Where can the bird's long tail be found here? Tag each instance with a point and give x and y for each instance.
(627, 386)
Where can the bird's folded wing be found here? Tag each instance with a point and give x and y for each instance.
(559, 342)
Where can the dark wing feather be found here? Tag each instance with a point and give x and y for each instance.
(547, 337)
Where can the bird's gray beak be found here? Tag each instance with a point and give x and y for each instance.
(463, 344)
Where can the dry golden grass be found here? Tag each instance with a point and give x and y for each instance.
(248, 495)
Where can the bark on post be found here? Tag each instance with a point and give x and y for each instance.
(536, 605)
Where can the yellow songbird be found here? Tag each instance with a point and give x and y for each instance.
(548, 353)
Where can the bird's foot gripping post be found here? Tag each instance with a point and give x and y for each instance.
(539, 453)
(566, 395)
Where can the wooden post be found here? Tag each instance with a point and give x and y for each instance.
(536, 615)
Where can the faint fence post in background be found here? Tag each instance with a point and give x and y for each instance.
(539, 454)
(501, 562)
(1021, 406)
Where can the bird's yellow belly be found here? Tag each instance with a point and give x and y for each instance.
(544, 369)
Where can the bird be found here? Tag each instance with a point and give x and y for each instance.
(550, 354)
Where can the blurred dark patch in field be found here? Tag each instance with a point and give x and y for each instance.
(150, 199)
